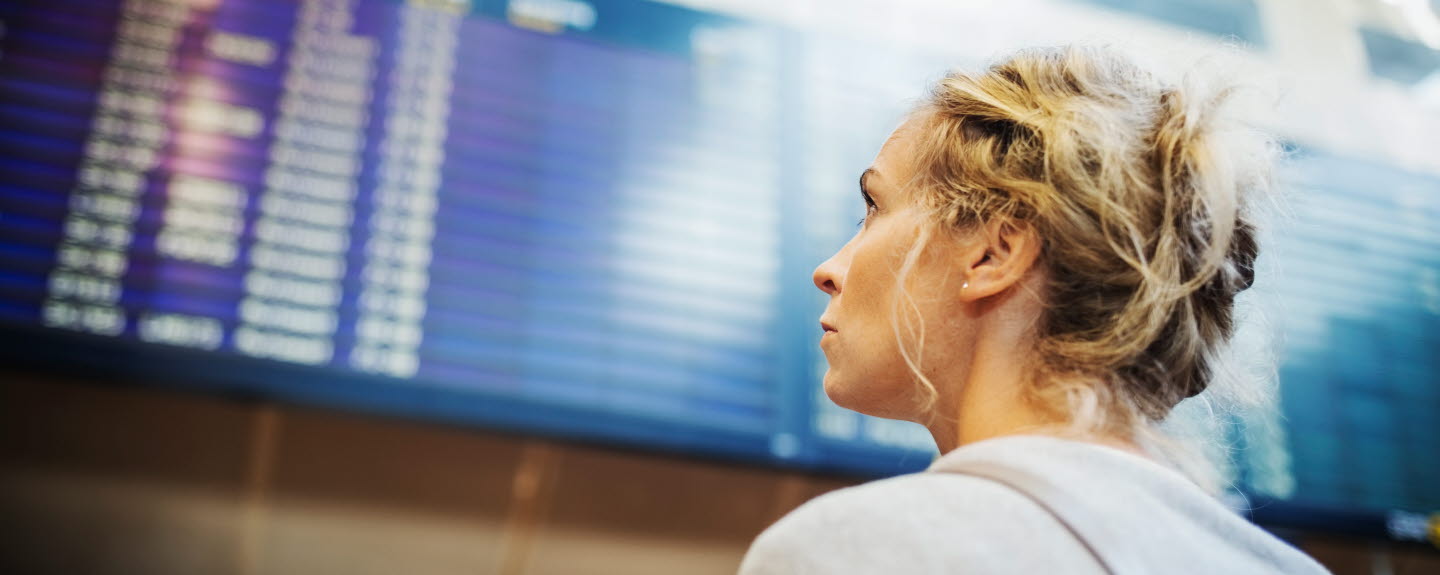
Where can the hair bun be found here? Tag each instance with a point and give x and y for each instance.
(1142, 193)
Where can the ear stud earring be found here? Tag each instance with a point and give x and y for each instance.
(965, 285)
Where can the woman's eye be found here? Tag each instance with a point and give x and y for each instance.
(870, 206)
(870, 210)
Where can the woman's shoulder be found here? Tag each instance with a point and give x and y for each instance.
(914, 523)
(911, 496)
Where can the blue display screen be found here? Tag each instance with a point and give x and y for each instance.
(561, 217)
(592, 220)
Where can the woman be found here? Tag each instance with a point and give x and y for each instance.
(1048, 264)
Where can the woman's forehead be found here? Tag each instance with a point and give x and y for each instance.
(895, 161)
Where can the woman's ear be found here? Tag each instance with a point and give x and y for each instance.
(1001, 254)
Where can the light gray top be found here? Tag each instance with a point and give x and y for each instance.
(939, 522)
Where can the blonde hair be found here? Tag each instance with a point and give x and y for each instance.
(1142, 195)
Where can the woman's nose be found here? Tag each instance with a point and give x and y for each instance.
(826, 277)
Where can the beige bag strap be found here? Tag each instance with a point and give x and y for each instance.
(1083, 519)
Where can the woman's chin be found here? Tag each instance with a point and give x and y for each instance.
(836, 388)
(864, 399)
(831, 384)
(844, 393)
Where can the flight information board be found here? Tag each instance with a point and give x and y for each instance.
(411, 190)
(590, 219)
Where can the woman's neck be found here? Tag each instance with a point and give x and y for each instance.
(989, 401)
(988, 405)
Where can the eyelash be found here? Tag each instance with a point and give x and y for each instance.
(870, 209)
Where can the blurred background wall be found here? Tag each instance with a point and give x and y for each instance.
(104, 480)
(95, 479)
(105, 472)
